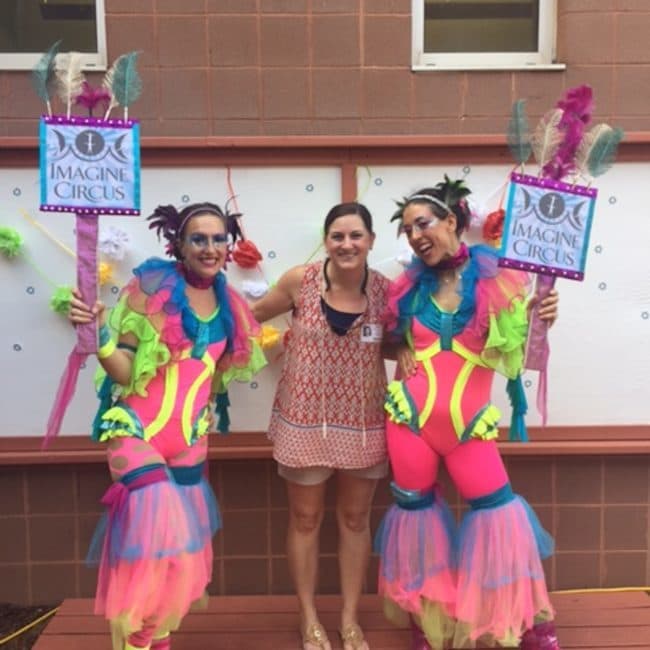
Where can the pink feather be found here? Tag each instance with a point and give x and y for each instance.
(577, 106)
(90, 97)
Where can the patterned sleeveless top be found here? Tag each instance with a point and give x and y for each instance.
(328, 408)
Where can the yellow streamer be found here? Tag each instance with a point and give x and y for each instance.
(47, 233)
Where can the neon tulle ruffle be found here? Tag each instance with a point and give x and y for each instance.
(501, 584)
(486, 289)
(154, 307)
(417, 556)
(154, 552)
(484, 584)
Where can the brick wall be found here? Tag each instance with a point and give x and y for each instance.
(595, 506)
(339, 67)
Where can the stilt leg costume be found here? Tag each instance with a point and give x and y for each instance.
(484, 581)
(154, 543)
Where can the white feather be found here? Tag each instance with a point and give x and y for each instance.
(547, 137)
(107, 82)
(69, 76)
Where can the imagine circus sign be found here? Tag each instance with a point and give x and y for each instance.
(90, 165)
(547, 226)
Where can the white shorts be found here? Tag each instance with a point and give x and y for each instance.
(317, 474)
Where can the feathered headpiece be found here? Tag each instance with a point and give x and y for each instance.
(447, 194)
(169, 223)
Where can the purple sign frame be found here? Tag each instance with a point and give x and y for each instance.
(547, 226)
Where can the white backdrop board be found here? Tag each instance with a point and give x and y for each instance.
(599, 363)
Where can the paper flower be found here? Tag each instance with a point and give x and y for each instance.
(493, 227)
(60, 300)
(254, 289)
(245, 254)
(269, 336)
(113, 242)
(105, 273)
(10, 242)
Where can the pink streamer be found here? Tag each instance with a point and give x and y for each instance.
(87, 226)
(64, 394)
(537, 350)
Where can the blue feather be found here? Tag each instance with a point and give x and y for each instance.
(603, 152)
(518, 133)
(126, 82)
(43, 73)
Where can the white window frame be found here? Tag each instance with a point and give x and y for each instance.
(543, 59)
(91, 60)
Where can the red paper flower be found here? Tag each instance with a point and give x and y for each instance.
(245, 254)
(493, 226)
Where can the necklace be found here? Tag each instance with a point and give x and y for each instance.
(328, 286)
(194, 279)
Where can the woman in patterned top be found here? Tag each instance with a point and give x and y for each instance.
(328, 410)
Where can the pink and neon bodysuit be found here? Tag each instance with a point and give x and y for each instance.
(153, 545)
(484, 581)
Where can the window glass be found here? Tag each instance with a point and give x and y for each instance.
(29, 27)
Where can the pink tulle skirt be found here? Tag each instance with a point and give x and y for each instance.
(501, 583)
(483, 584)
(417, 557)
(155, 554)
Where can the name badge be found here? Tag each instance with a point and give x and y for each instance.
(371, 333)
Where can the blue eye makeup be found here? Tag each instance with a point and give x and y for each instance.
(201, 241)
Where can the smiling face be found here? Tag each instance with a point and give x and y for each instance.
(348, 242)
(204, 245)
(431, 238)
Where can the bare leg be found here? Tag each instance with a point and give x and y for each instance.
(354, 500)
(306, 507)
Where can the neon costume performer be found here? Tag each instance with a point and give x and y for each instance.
(463, 318)
(177, 335)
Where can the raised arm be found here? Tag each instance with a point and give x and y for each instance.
(281, 298)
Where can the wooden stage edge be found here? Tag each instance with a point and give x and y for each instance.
(586, 621)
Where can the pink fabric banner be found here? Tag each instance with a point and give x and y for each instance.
(87, 228)
(537, 347)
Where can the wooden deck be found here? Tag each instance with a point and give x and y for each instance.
(588, 621)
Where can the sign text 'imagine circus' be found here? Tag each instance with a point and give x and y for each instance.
(90, 166)
(547, 226)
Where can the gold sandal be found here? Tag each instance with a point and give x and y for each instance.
(316, 635)
(352, 635)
